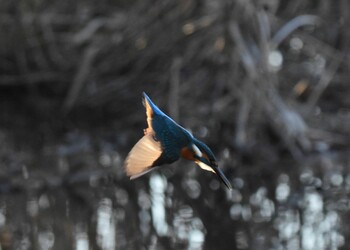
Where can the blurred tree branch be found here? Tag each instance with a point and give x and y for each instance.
(215, 56)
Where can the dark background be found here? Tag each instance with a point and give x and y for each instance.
(263, 83)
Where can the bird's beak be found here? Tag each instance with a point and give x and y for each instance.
(214, 168)
(221, 175)
(223, 178)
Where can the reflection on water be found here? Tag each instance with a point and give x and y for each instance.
(144, 203)
(313, 226)
(81, 238)
(158, 185)
(263, 207)
(46, 240)
(320, 225)
(287, 210)
(187, 229)
(105, 225)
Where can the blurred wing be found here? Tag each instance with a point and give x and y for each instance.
(149, 110)
(142, 156)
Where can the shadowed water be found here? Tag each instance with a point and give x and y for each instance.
(84, 201)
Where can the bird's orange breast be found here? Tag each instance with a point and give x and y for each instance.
(187, 154)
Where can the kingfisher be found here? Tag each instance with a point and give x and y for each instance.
(164, 142)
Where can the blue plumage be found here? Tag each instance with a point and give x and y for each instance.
(164, 142)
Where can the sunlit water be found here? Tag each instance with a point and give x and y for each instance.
(154, 213)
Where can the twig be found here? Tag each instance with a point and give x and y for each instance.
(242, 118)
(80, 78)
(173, 102)
(88, 31)
(287, 123)
(246, 56)
(323, 83)
(31, 78)
(329, 137)
(291, 26)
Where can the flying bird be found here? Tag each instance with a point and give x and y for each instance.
(164, 142)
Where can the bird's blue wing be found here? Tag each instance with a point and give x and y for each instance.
(150, 106)
(171, 136)
(169, 139)
(161, 144)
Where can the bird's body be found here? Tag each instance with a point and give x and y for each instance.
(165, 142)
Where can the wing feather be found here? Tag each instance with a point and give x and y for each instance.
(142, 156)
(149, 113)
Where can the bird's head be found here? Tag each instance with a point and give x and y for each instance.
(201, 154)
